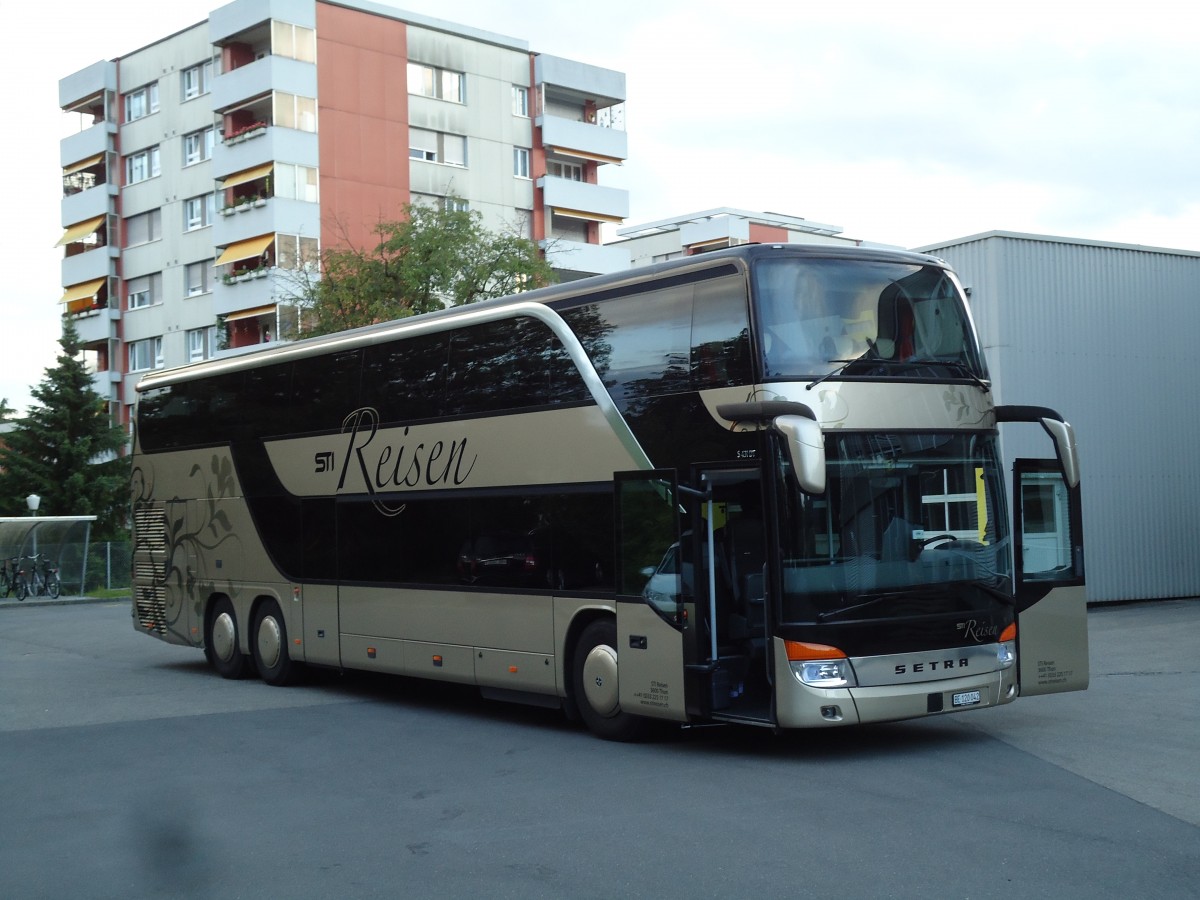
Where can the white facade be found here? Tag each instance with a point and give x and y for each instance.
(1105, 334)
(714, 229)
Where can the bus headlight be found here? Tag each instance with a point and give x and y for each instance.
(819, 665)
(1006, 654)
(1006, 650)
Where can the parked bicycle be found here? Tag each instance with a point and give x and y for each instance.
(13, 579)
(44, 578)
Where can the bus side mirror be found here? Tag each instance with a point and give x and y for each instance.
(1056, 426)
(1064, 442)
(806, 449)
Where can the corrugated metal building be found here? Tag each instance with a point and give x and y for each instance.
(1108, 335)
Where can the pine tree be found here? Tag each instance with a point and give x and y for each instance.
(67, 450)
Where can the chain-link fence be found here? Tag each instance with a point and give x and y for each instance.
(108, 566)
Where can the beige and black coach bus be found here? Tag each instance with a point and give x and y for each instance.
(760, 485)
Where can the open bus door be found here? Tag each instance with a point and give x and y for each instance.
(1052, 639)
(653, 581)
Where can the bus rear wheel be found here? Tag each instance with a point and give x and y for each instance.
(221, 641)
(270, 644)
(595, 680)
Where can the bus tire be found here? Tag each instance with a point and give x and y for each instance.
(269, 642)
(595, 683)
(221, 641)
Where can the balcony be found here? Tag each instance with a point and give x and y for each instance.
(584, 259)
(274, 143)
(582, 140)
(240, 295)
(570, 80)
(262, 77)
(89, 142)
(95, 201)
(580, 200)
(96, 325)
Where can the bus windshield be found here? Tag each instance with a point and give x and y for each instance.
(818, 317)
(908, 524)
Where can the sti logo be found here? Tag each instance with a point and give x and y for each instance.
(324, 461)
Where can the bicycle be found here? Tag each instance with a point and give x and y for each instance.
(45, 581)
(14, 579)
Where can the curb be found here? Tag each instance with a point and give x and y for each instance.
(14, 603)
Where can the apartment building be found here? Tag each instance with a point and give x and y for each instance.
(212, 166)
(714, 229)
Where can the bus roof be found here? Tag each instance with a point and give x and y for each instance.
(552, 295)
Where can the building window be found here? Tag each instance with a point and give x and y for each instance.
(145, 291)
(198, 212)
(295, 112)
(197, 80)
(198, 277)
(569, 171)
(520, 101)
(455, 204)
(443, 84)
(145, 355)
(520, 162)
(200, 343)
(198, 146)
(293, 41)
(142, 229)
(434, 146)
(295, 252)
(141, 102)
(296, 182)
(142, 165)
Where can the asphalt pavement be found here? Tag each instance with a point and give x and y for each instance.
(1135, 730)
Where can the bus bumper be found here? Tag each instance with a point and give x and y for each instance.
(803, 706)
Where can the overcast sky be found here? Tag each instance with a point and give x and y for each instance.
(902, 123)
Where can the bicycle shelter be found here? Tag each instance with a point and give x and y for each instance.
(61, 539)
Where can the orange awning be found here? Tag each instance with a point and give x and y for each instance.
(245, 249)
(80, 230)
(583, 154)
(83, 164)
(82, 291)
(251, 313)
(587, 216)
(247, 175)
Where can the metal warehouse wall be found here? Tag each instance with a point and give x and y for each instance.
(1108, 335)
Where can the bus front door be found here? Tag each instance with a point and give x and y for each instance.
(653, 579)
(1052, 639)
(729, 541)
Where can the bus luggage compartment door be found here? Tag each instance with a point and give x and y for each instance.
(649, 595)
(1052, 638)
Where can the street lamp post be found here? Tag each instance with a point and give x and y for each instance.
(33, 501)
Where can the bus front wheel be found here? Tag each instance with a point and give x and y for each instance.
(221, 641)
(270, 643)
(595, 682)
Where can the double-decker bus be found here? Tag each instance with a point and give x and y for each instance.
(760, 485)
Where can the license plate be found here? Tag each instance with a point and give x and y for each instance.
(966, 698)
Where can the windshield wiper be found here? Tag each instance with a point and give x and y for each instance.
(960, 367)
(844, 362)
(878, 598)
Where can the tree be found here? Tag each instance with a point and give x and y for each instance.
(432, 258)
(67, 450)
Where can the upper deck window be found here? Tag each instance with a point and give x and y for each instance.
(858, 318)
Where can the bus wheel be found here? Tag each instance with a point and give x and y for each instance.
(595, 681)
(270, 644)
(221, 641)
